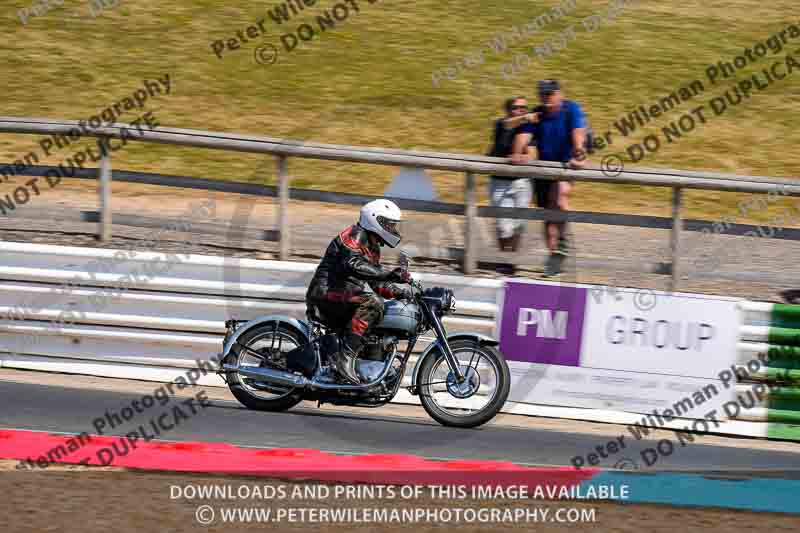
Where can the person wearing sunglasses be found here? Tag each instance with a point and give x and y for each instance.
(556, 128)
(509, 191)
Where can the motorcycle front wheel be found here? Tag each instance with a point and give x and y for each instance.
(476, 400)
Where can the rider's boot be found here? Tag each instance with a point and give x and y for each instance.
(345, 362)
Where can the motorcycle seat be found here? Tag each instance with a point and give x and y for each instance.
(336, 322)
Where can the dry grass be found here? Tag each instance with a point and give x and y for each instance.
(368, 82)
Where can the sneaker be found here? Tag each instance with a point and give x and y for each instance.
(553, 266)
(563, 246)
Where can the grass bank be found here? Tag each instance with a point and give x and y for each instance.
(368, 80)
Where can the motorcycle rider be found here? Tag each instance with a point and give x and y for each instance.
(350, 278)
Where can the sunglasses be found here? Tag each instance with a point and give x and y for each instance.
(513, 107)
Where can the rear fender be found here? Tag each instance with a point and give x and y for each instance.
(299, 325)
(480, 338)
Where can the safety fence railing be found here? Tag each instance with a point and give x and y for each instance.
(470, 165)
(771, 334)
(72, 309)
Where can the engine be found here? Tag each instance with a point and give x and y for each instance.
(372, 358)
(376, 348)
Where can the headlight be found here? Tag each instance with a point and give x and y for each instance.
(440, 299)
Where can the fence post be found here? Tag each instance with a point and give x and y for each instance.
(471, 227)
(104, 192)
(675, 237)
(283, 208)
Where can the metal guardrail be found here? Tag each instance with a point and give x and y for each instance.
(165, 322)
(469, 164)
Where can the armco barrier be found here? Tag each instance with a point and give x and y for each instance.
(770, 334)
(166, 321)
(161, 325)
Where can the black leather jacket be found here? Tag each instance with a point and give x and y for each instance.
(349, 265)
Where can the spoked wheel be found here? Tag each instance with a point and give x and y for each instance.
(476, 400)
(273, 344)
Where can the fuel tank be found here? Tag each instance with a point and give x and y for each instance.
(400, 318)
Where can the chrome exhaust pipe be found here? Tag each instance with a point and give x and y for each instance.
(271, 376)
(282, 378)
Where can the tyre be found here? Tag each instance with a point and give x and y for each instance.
(252, 393)
(478, 399)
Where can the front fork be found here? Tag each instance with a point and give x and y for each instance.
(452, 362)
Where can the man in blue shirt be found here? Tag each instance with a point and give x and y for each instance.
(558, 128)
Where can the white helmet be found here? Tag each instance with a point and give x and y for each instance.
(381, 217)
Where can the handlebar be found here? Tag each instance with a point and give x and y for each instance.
(416, 288)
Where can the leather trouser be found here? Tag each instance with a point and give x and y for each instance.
(364, 310)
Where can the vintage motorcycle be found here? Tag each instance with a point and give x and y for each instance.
(272, 363)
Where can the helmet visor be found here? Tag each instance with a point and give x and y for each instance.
(391, 226)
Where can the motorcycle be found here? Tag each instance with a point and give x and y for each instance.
(273, 363)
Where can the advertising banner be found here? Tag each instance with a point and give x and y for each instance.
(542, 323)
(626, 352)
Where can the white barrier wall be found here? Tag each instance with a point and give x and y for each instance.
(628, 359)
(614, 353)
(146, 316)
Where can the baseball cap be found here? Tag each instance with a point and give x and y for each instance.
(548, 86)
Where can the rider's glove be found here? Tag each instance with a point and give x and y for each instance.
(403, 293)
(398, 274)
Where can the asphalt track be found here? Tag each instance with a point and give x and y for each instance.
(72, 410)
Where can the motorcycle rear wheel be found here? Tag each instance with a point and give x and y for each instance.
(248, 391)
(434, 392)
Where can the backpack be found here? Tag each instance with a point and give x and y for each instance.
(588, 141)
